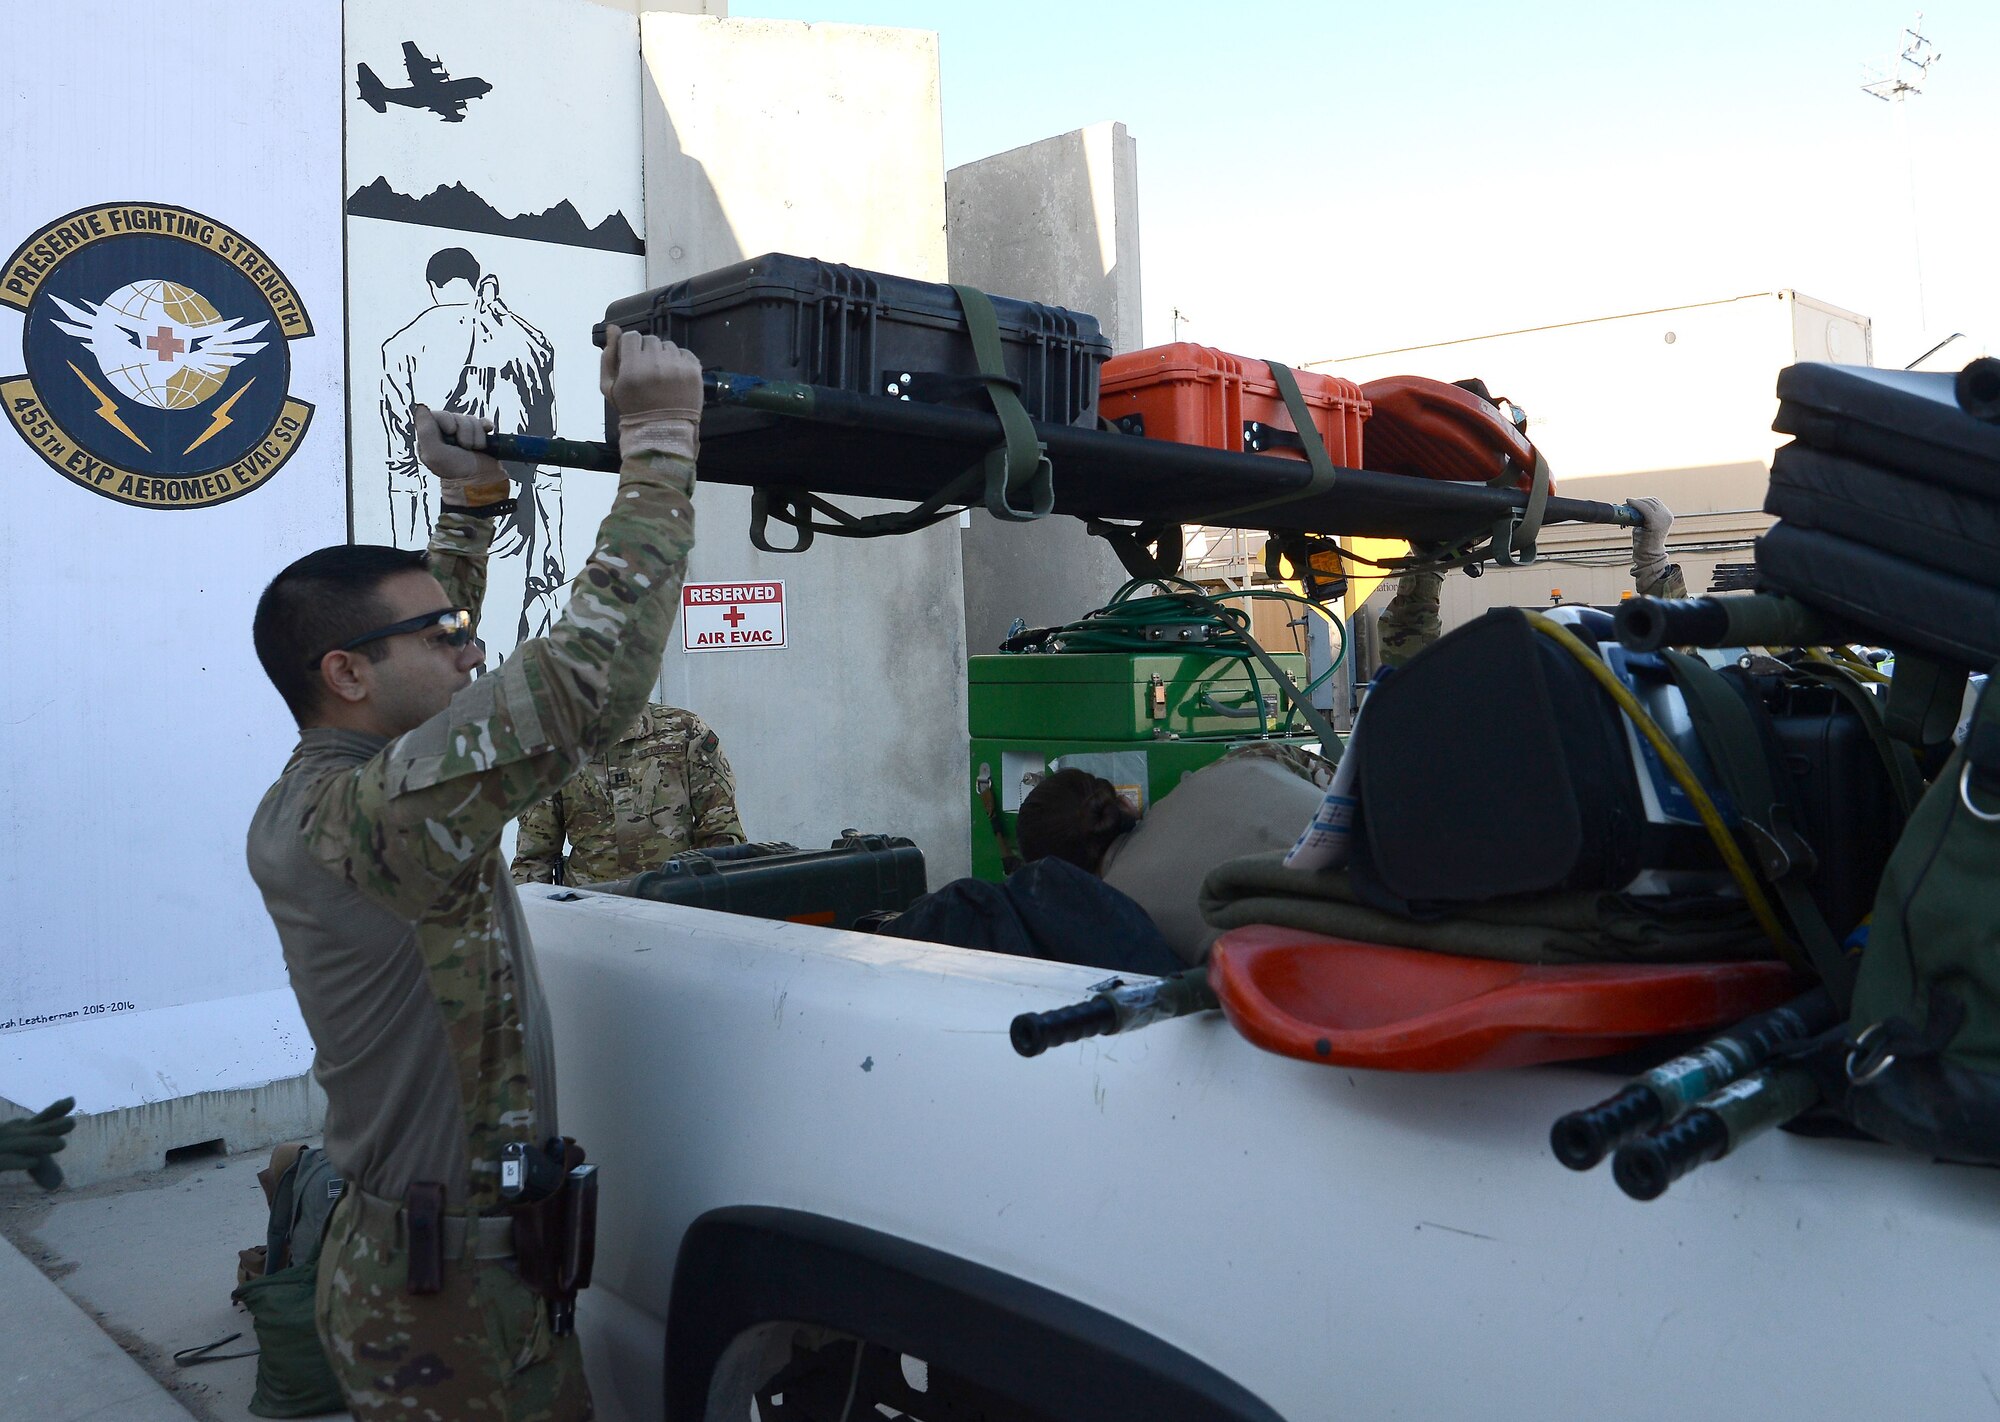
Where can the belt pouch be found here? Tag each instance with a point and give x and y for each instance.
(580, 1229)
(423, 1224)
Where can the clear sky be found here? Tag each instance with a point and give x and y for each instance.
(1319, 178)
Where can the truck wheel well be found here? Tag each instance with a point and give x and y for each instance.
(745, 1266)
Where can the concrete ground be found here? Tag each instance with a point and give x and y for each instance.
(145, 1264)
(100, 1287)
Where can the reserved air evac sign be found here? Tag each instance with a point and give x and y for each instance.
(723, 617)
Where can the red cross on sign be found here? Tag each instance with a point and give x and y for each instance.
(732, 617)
(165, 343)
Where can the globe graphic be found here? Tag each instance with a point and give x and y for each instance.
(171, 316)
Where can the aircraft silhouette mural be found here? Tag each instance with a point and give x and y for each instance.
(430, 87)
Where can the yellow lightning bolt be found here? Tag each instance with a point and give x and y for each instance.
(221, 416)
(108, 409)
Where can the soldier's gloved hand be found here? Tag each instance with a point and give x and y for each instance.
(1649, 541)
(467, 476)
(656, 388)
(28, 1144)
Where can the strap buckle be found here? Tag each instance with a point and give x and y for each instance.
(1870, 1055)
(1781, 850)
(1985, 817)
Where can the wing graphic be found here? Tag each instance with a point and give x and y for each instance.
(423, 70)
(225, 344)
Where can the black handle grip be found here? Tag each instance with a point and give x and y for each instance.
(1646, 624)
(1582, 1138)
(729, 853)
(1035, 1032)
(1645, 1167)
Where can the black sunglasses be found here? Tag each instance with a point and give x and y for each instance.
(456, 621)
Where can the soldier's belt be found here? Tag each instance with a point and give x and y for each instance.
(466, 1236)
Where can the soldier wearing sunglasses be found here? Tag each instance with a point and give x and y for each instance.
(378, 854)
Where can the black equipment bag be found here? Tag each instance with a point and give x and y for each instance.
(800, 319)
(1844, 799)
(1889, 508)
(1049, 909)
(1908, 605)
(860, 874)
(1904, 421)
(1493, 765)
(1917, 519)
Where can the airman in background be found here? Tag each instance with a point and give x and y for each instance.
(664, 787)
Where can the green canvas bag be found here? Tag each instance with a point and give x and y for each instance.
(293, 1376)
(1923, 1064)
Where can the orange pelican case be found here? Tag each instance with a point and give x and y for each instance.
(1189, 394)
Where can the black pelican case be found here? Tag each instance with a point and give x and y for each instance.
(798, 318)
(860, 874)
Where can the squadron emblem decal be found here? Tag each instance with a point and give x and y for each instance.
(157, 343)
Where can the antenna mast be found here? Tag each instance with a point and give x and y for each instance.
(1907, 73)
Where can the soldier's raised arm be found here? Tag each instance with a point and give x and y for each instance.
(472, 486)
(425, 808)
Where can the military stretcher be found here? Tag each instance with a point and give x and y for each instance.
(792, 442)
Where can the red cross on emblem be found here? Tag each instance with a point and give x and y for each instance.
(734, 616)
(165, 343)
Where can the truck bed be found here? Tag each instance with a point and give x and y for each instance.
(1339, 1243)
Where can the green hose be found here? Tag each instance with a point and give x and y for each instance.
(1197, 620)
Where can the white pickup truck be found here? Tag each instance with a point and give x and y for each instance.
(810, 1137)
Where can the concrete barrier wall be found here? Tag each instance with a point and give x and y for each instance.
(1058, 222)
(820, 141)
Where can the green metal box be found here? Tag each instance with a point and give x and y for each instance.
(1125, 696)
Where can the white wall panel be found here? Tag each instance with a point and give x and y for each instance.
(137, 731)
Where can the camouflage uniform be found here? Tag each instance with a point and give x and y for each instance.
(1411, 621)
(380, 864)
(665, 786)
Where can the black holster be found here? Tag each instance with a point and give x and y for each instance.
(555, 1238)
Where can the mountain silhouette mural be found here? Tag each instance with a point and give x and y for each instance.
(463, 210)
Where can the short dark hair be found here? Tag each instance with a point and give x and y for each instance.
(322, 600)
(453, 263)
(1072, 815)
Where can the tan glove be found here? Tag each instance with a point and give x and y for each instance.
(1649, 541)
(467, 476)
(656, 388)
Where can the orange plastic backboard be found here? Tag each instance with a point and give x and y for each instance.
(1404, 1009)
